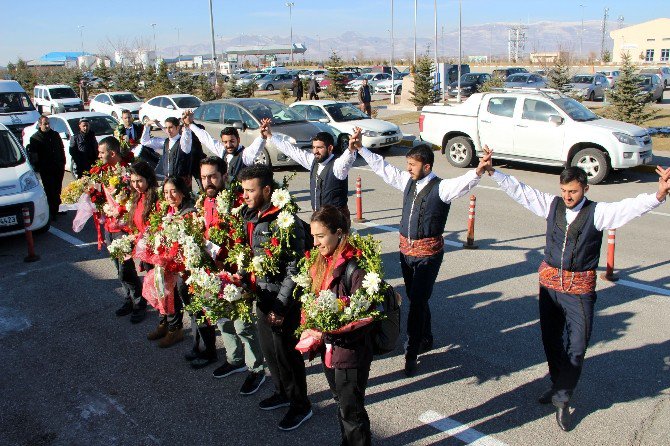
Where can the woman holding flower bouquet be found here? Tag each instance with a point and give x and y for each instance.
(170, 328)
(346, 356)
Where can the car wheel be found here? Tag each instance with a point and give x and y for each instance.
(343, 142)
(263, 158)
(592, 96)
(114, 115)
(51, 110)
(660, 99)
(270, 87)
(91, 110)
(594, 162)
(460, 151)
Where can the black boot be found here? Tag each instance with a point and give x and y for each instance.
(207, 357)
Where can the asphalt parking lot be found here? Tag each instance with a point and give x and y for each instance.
(74, 374)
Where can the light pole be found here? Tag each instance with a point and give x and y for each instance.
(211, 25)
(392, 55)
(178, 47)
(415, 34)
(153, 25)
(439, 81)
(290, 21)
(319, 39)
(81, 35)
(581, 34)
(460, 52)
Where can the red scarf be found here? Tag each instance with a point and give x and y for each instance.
(332, 263)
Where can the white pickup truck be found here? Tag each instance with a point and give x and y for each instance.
(537, 126)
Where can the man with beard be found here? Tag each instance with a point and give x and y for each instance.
(83, 148)
(328, 174)
(240, 338)
(109, 152)
(48, 158)
(277, 310)
(426, 202)
(229, 148)
(575, 228)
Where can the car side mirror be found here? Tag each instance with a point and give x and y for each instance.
(239, 125)
(556, 120)
(64, 135)
(170, 107)
(324, 120)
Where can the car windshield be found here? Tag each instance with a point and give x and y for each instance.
(469, 78)
(62, 93)
(280, 114)
(342, 112)
(101, 125)
(15, 102)
(368, 76)
(10, 152)
(582, 80)
(517, 78)
(125, 98)
(644, 80)
(575, 109)
(187, 102)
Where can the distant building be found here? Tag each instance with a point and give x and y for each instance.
(478, 59)
(547, 58)
(58, 59)
(647, 43)
(137, 57)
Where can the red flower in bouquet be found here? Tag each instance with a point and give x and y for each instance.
(274, 241)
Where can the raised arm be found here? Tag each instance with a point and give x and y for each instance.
(147, 140)
(206, 139)
(615, 215)
(250, 153)
(344, 162)
(305, 159)
(453, 188)
(186, 140)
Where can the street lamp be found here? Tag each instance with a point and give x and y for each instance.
(214, 65)
(290, 20)
(178, 47)
(581, 34)
(81, 35)
(460, 52)
(415, 34)
(392, 54)
(153, 25)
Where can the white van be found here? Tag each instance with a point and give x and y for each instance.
(57, 99)
(275, 70)
(19, 189)
(16, 110)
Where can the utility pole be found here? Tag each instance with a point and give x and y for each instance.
(290, 20)
(581, 34)
(415, 33)
(178, 47)
(81, 35)
(214, 65)
(153, 25)
(460, 51)
(392, 55)
(604, 30)
(440, 82)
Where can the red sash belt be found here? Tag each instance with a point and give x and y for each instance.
(424, 247)
(573, 282)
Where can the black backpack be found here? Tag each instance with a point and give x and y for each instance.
(386, 331)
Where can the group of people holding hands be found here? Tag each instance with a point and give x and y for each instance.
(268, 338)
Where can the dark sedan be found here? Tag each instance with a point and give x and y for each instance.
(470, 83)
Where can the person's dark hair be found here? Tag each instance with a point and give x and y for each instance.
(42, 118)
(111, 143)
(324, 137)
(172, 120)
(422, 153)
(126, 111)
(263, 173)
(179, 184)
(332, 218)
(217, 161)
(143, 169)
(230, 131)
(574, 173)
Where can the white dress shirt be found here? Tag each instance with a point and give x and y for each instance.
(341, 165)
(249, 154)
(449, 189)
(158, 143)
(606, 215)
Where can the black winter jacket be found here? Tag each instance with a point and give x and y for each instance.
(84, 151)
(46, 151)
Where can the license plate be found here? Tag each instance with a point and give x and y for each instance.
(10, 220)
(388, 140)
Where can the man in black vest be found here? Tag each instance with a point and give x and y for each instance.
(176, 158)
(48, 158)
(328, 175)
(568, 273)
(229, 148)
(83, 148)
(426, 201)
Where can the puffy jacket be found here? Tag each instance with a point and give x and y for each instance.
(275, 292)
(46, 151)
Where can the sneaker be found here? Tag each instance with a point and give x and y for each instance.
(252, 383)
(274, 402)
(228, 369)
(138, 315)
(293, 419)
(125, 309)
(410, 366)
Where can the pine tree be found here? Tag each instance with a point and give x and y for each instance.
(627, 103)
(493, 82)
(22, 74)
(559, 75)
(105, 75)
(337, 88)
(125, 78)
(204, 89)
(424, 91)
(233, 90)
(284, 94)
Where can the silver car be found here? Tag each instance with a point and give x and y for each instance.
(651, 84)
(589, 86)
(275, 81)
(245, 114)
(528, 80)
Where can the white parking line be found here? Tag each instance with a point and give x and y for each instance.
(641, 286)
(68, 238)
(453, 428)
(392, 229)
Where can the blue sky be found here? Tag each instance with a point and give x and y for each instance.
(53, 26)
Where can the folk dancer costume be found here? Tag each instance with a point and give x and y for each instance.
(328, 180)
(567, 273)
(234, 161)
(426, 205)
(176, 158)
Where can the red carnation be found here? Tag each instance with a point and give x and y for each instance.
(268, 252)
(308, 254)
(274, 241)
(359, 253)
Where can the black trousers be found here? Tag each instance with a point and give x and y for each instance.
(419, 274)
(53, 183)
(566, 321)
(286, 365)
(127, 274)
(348, 387)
